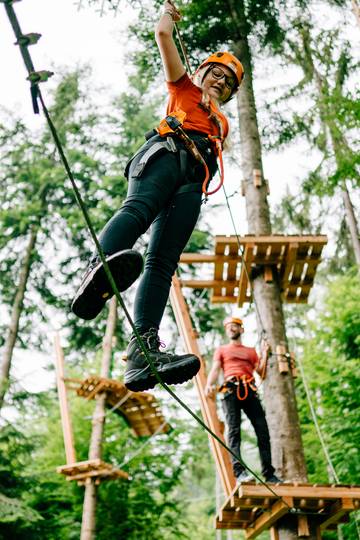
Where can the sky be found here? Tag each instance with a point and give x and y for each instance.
(73, 36)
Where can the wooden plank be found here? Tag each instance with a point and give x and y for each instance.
(309, 239)
(300, 491)
(207, 405)
(215, 284)
(63, 403)
(245, 272)
(98, 388)
(269, 517)
(223, 299)
(291, 253)
(191, 258)
(303, 526)
(219, 268)
(274, 533)
(337, 511)
(240, 518)
(231, 281)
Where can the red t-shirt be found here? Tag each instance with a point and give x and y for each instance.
(186, 96)
(236, 360)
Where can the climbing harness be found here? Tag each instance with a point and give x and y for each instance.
(241, 384)
(172, 124)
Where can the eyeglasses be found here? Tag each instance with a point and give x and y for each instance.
(218, 74)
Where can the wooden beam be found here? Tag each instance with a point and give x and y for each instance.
(207, 405)
(306, 239)
(245, 273)
(63, 403)
(274, 533)
(300, 491)
(303, 526)
(338, 509)
(189, 258)
(269, 517)
(206, 283)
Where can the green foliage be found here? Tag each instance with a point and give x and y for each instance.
(332, 115)
(330, 356)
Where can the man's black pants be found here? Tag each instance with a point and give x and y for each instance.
(252, 408)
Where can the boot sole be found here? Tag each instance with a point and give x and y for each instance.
(125, 267)
(177, 373)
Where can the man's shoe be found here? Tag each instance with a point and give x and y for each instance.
(172, 368)
(245, 476)
(273, 479)
(95, 289)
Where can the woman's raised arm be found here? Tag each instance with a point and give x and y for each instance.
(173, 66)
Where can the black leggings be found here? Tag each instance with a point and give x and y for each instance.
(152, 198)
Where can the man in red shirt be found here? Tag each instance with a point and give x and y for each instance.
(238, 364)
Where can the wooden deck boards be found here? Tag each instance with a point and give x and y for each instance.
(254, 508)
(141, 410)
(95, 469)
(293, 258)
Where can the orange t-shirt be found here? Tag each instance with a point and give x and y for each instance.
(236, 360)
(186, 96)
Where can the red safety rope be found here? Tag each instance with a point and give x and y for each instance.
(221, 183)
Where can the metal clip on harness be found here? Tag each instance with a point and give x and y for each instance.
(175, 125)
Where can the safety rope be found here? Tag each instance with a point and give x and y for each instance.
(316, 423)
(146, 443)
(321, 438)
(36, 95)
(243, 266)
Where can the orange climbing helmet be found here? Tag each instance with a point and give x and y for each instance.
(230, 61)
(232, 320)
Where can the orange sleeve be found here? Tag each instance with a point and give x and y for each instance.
(181, 84)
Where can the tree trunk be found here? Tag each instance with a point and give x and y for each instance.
(15, 316)
(279, 393)
(352, 223)
(98, 421)
(356, 10)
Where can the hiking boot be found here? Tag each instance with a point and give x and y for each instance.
(273, 479)
(95, 289)
(245, 476)
(172, 368)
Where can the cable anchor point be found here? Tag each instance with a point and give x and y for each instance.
(36, 77)
(28, 39)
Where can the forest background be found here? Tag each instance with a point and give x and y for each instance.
(305, 66)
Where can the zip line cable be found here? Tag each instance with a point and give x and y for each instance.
(35, 78)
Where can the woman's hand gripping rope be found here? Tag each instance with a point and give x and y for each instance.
(171, 9)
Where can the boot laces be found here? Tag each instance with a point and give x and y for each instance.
(152, 340)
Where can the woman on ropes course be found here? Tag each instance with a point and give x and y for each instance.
(166, 179)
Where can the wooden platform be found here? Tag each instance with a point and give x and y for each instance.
(294, 260)
(140, 409)
(95, 468)
(254, 508)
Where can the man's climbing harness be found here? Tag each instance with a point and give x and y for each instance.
(239, 384)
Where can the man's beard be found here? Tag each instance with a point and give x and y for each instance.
(235, 336)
